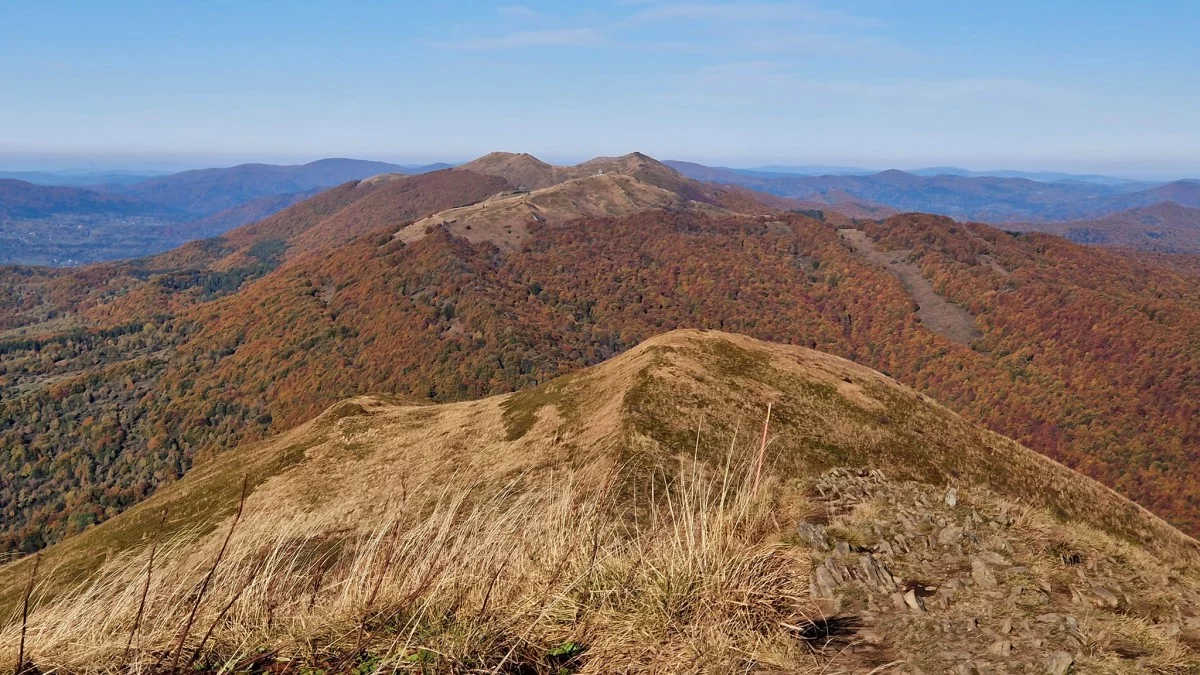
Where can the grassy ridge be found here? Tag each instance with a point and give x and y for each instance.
(560, 578)
(588, 521)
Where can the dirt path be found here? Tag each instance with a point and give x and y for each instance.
(936, 312)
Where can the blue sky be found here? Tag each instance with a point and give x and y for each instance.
(1083, 86)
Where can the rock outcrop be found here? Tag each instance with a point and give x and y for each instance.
(964, 581)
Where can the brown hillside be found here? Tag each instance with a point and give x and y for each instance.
(523, 171)
(650, 170)
(529, 173)
(1027, 560)
(1085, 355)
(505, 219)
(358, 208)
(641, 167)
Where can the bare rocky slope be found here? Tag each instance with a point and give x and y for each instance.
(875, 531)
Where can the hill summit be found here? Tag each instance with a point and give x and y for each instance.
(526, 172)
(522, 170)
(646, 514)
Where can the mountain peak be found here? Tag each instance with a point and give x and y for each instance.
(501, 156)
(505, 159)
(526, 172)
(625, 162)
(522, 170)
(894, 174)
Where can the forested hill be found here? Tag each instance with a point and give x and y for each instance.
(135, 372)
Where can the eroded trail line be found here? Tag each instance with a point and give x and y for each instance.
(936, 312)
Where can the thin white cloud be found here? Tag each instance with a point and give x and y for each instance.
(818, 43)
(758, 27)
(521, 12)
(748, 27)
(747, 11)
(754, 79)
(947, 89)
(570, 37)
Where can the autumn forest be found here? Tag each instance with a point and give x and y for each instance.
(117, 378)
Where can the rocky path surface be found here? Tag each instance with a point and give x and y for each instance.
(917, 579)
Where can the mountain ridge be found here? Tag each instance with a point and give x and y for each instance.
(245, 336)
(1164, 227)
(21, 199)
(992, 199)
(842, 442)
(168, 210)
(504, 219)
(132, 219)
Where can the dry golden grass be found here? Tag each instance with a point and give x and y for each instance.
(509, 533)
(505, 219)
(559, 575)
(638, 408)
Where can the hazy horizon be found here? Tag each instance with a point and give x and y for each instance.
(167, 164)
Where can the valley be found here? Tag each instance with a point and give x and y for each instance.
(70, 240)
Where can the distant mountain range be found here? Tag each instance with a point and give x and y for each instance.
(126, 215)
(1042, 176)
(203, 192)
(484, 279)
(804, 170)
(980, 198)
(1166, 227)
(78, 179)
(74, 218)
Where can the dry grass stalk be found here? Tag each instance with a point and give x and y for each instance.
(379, 578)
(225, 610)
(137, 622)
(577, 581)
(25, 613)
(191, 618)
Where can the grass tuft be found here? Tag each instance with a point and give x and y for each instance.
(557, 576)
